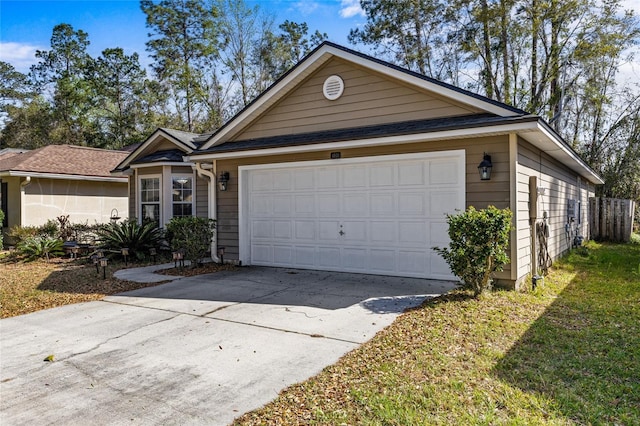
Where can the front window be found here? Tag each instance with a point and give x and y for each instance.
(182, 190)
(150, 199)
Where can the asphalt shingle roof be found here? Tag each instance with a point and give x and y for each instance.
(64, 159)
(382, 130)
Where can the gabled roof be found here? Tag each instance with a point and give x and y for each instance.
(184, 141)
(64, 161)
(323, 53)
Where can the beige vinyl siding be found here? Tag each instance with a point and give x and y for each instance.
(202, 197)
(479, 193)
(133, 196)
(368, 99)
(561, 185)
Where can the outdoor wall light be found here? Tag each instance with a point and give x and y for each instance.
(223, 180)
(485, 167)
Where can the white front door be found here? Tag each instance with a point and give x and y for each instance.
(376, 215)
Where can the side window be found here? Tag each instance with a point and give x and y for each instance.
(182, 195)
(150, 199)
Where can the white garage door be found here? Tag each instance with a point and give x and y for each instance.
(376, 215)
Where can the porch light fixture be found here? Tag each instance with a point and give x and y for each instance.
(223, 180)
(485, 167)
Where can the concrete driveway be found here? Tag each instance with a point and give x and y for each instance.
(199, 350)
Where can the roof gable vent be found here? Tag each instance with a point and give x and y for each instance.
(333, 87)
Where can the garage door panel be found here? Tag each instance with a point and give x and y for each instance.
(374, 215)
(443, 172)
(282, 229)
(329, 230)
(354, 258)
(329, 257)
(441, 203)
(303, 179)
(304, 205)
(413, 233)
(411, 174)
(282, 255)
(262, 229)
(383, 232)
(261, 254)
(355, 204)
(328, 178)
(382, 176)
(328, 205)
(305, 256)
(412, 262)
(280, 205)
(354, 177)
(261, 206)
(383, 204)
(305, 230)
(383, 260)
(354, 231)
(281, 180)
(411, 203)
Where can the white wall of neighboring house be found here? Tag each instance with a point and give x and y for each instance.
(82, 200)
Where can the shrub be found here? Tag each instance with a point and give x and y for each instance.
(478, 247)
(49, 229)
(192, 235)
(130, 234)
(18, 234)
(41, 246)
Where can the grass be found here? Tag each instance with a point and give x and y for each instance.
(31, 286)
(568, 353)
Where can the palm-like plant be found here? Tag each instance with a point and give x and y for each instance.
(41, 246)
(138, 238)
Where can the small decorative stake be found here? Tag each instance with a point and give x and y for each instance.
(103, 263)
(153, 253)
(221, 254)
(125, 254)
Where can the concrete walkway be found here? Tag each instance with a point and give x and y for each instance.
(200, 350)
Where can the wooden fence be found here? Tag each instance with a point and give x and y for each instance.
(611, 219)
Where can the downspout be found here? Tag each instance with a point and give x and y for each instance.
(26, 182)
(210, 175)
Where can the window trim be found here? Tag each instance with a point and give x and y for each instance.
(139, 196)
(193, 192)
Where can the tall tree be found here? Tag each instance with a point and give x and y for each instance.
(183, 43)
(61, 72)
(118, 83)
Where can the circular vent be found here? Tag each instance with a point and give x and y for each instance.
(333, 87)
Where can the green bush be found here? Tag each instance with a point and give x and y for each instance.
(41, 246)
(50, 229)
(192, 235)
(478, 247)
(132, 235)
(18, 234)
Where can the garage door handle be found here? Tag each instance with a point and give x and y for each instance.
(341, 232)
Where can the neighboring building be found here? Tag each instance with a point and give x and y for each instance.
(349, 163)
(57, 180)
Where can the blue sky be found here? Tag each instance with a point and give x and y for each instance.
(26, 25)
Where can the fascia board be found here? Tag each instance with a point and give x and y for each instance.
(151, 139)
(64, 176)
(161, 163)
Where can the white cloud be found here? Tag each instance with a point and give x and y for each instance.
(20, 55)
(351, 8)
(306, 8)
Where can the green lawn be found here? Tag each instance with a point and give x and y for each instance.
(569, 353)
